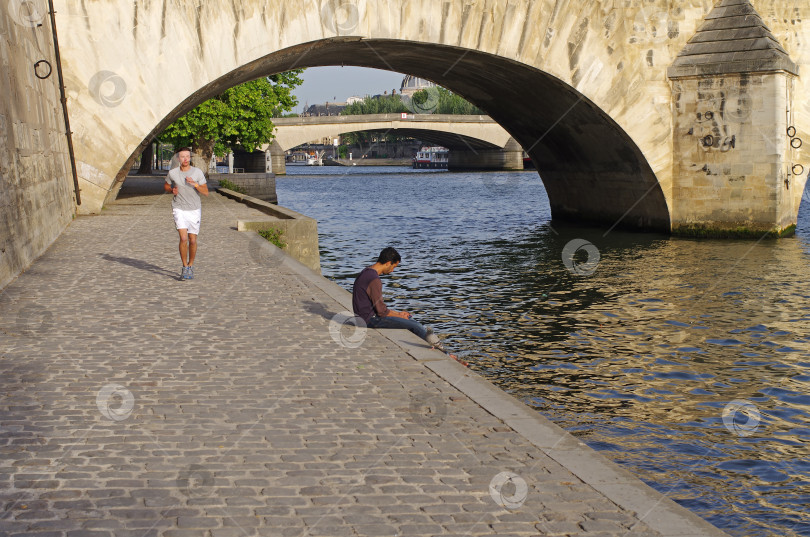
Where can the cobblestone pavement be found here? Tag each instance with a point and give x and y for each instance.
(136, 404)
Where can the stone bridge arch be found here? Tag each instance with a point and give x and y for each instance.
(475, 141)
(581, 85)
(456, 131)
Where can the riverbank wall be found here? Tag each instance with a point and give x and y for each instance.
(37, 196)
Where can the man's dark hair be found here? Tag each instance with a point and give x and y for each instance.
(183, 149)
(389, 254)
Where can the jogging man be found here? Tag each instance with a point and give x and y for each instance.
(368, 304)
(186, 183)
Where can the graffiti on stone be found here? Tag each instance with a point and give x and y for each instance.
(720, 114)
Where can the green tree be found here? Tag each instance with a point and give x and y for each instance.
(384, 104)
(444, 101)
(239, 118)
(435, 100)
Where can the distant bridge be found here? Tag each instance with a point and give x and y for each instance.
(475, 142)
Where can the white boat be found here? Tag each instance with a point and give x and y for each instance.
(316, 159)
(431, 157)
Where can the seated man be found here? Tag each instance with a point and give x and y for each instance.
(368, 304)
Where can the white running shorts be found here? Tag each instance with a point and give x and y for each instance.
(189, 220)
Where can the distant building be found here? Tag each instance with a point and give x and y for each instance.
(354, 99)
(328, 109)
(412, 84)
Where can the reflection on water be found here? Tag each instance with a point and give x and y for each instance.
(639, 355)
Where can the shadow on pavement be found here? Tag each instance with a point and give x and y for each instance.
(141, 185)
(317, 308)
(142, 265)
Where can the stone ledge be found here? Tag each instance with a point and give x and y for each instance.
(259, 185)
(730, 68)
(300, 232)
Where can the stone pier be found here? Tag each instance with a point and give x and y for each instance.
(738, 170)
(508, 158)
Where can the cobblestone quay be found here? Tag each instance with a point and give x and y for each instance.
(133, 404)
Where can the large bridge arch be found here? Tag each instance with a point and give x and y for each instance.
(582, 86)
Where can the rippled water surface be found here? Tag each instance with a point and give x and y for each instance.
(639, 359)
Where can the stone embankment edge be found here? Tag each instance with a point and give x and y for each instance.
(617, 484)
(300, 231)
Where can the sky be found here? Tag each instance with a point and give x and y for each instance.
(336, 84)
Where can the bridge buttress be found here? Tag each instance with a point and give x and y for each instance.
(278, 158)
(737, 171)
(508, 158)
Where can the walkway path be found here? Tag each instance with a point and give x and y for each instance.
(134, 404)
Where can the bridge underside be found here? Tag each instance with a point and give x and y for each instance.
(451, 141)
(466, 153)
(591, 169)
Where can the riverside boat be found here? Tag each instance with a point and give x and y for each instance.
(431, 157)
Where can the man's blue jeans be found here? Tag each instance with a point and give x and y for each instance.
(397, 322)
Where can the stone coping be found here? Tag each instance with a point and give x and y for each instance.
(276, 211)
(300, 231)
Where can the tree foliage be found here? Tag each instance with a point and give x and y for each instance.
(384, 104)
(434, 100)
(438, 100)
(238, 119)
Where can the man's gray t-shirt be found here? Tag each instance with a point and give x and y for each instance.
(187, 198)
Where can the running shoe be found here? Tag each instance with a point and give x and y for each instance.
(190, 273)
(184, 273)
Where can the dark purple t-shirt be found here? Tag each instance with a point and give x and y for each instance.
(366, 292)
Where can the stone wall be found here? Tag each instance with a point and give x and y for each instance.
(257, 185)
(299, 232)
(734, 166)
(485, 159)
(36, 188)
(738, 165)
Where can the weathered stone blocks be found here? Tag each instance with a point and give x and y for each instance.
(737, 168)
(36, 196)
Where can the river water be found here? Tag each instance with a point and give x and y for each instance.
(687, 361)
